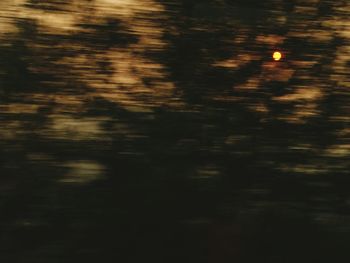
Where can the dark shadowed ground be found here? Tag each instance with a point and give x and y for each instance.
(163, 131)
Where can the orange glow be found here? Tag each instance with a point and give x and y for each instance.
(277, 55)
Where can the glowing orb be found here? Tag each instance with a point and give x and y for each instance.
(277, 55)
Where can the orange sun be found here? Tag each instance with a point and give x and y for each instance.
(277, 55)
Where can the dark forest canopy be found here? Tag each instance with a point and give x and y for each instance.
(165, 129)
